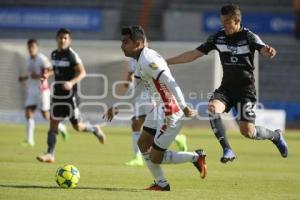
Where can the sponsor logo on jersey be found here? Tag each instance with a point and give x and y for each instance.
(233, 49)
(153, 66)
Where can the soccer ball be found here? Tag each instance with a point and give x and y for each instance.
(67, 176)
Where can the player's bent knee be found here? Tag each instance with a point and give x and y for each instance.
(248, 133)
(156, 159)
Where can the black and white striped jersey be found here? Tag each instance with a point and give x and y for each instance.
(237, 54)
(64, 63)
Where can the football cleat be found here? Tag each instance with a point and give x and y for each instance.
(180, 141)
(156, 187)
(100, 135)
(200, 163)
(47, 158)
(281, 144)
(228, 155)
(26, 143)
(136, 161)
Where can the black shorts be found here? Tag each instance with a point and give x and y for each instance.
(243, 102)
(66, 108)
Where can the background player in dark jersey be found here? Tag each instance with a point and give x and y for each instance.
(236, 46)
(68, 71)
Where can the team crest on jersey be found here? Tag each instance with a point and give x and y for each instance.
(233, 49)
(153, 66)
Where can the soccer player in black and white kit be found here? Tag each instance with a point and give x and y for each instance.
(68, 71)
(236, 46)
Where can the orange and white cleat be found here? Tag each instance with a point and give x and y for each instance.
(200, 163)
(47, 158)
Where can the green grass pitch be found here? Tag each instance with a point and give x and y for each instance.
(258, 172)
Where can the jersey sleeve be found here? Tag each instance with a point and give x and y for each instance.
(170, 82)
(45, 62)
(207, 46)
(75, 59)
(154, 69)
(255, 42)
(131, 66)
(154, 65)
(137, 74)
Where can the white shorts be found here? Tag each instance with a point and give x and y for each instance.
(154, 119)
(40, 99)
(142, 107)
(167, 127)
(168, 131)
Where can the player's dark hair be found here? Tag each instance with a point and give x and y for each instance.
(231, 10)
(32, 41)
(63, 31)
(135, 32)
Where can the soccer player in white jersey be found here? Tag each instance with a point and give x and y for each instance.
(142, 105)
(37, 91)
(156, 138)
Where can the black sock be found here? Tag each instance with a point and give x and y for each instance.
(219, 130)
(51, 141)
(263, 133)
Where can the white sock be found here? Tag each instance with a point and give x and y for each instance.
(30, 130)
(177, 137)
(62, 128)
(156, 171)
(179, 157)
(135, 138)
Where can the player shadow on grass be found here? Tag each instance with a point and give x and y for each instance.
(79, 188)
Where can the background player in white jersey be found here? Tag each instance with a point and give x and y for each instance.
(156, 138)
(143, 105)
(37, 91)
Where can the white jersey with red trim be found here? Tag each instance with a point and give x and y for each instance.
(36, 65)
(142, 93)
(150, 67)
(132, 65)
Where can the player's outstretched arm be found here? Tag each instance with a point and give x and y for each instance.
(186, 57)
(268, 51)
